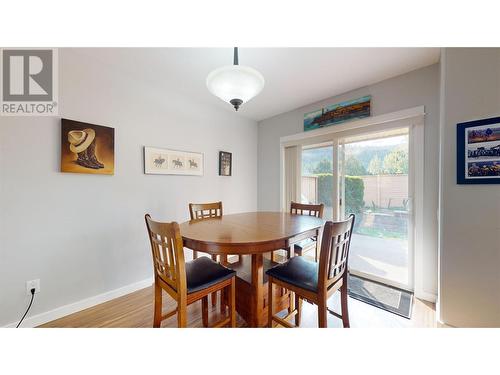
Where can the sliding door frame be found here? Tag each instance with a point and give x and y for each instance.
(413, 119)
(371, 133)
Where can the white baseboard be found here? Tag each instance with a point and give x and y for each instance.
(59, 312)
(429, 297)
(62, 311)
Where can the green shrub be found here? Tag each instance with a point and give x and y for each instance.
(325, 188)
(354, 192)
(354, 195)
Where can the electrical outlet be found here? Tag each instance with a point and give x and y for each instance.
(32, 284)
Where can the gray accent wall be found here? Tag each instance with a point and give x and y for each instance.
(83, 235)
(469, 288)
(420, 87)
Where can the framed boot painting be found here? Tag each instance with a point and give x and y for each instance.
(87, 148)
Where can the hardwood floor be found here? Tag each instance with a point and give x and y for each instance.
(136, 310)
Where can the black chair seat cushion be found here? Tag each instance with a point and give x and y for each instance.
(301, 246)
(297, 271)
(203, 272)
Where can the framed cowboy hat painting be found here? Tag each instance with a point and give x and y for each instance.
(87, 148)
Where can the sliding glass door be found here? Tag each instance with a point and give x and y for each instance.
(374, 185)
(368, 173)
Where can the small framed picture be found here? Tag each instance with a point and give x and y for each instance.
(478, 152)
(225, 163)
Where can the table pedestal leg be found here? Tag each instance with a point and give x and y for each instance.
(257, 289)
(251, 290)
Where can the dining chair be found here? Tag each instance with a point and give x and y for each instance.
(186, 282)
(313, 281)
(201, 211)
(310, 243)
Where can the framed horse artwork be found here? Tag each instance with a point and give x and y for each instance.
(174, 162)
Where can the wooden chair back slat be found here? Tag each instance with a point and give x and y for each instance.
(338, 258)
(307, 209)
(334, 253)
(168, 253)
(199, 211)
(202, 211)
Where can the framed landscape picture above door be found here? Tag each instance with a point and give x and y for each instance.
(338, 113)
(166, 161)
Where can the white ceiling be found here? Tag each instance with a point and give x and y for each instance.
(294, 76)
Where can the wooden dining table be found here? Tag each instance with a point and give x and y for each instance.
(251, 235)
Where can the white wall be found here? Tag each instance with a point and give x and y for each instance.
(469, 288)
(420, 87)
(83, 235)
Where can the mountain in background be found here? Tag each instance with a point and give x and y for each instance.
(363, 153)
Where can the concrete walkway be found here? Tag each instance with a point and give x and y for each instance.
(382, 257)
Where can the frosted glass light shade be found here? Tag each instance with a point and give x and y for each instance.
(235, 82)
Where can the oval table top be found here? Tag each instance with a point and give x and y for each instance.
(246, 233)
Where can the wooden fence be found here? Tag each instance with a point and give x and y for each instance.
(382, 191)
(386, 191)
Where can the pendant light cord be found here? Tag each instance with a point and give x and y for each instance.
(235, 61)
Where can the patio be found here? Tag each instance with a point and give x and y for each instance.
(379, 245)
(382, 257)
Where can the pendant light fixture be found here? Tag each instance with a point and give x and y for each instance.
(235, 84)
